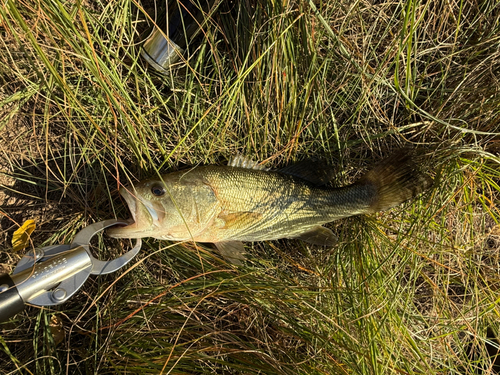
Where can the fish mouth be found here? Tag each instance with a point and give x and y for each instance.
(141, 221)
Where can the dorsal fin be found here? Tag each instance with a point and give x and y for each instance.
(245, 162)
(317, 172)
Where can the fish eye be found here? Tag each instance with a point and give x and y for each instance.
(158, 190)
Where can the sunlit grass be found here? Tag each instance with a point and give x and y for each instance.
(408, 291)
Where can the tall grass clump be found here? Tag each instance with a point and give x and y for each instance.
(410, 291)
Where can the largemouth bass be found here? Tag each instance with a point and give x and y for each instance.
(226, 205)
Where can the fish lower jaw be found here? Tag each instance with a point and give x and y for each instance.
(129, 231)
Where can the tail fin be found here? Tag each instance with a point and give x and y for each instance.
(395, 180)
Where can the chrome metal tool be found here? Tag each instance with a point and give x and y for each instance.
(50, 275)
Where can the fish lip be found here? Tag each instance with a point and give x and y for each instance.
(130, 230)
(131, 201)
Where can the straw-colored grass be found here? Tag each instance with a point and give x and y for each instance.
(409, 291)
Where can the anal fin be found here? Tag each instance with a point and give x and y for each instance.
(232, 251)
(319, 236)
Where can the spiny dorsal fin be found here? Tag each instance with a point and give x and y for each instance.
(317, 172)
(241, 161)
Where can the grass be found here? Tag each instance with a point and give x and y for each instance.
(409, 291)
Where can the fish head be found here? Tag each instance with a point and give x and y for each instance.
(154, 214)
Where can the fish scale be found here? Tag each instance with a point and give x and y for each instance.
(288, 205)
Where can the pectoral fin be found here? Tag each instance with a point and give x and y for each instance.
(238, 219)
(319, 236)
(232, 251)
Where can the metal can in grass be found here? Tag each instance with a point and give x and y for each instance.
(174, 30)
